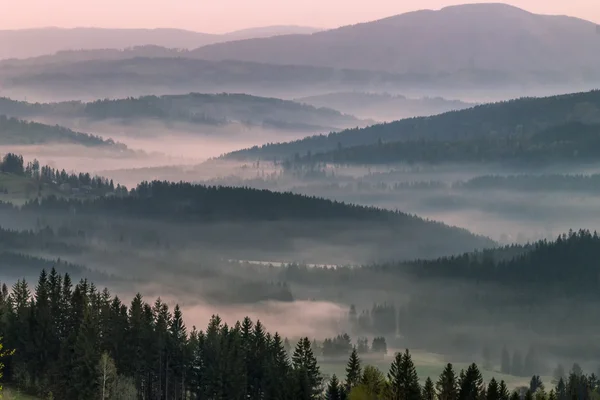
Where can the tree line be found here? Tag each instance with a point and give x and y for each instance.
(19, 132)
(523, 117)
(14, 164)
(567, 142)
(76, 342)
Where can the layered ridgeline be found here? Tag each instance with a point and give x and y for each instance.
(509, 120)
(14, 131)
(452, 39)
(251, 224)
(193, 108)
(384, 106)
(109, 43)
(570, 143)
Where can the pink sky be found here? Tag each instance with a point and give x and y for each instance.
(218, 16)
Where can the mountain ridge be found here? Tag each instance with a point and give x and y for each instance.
(449, 40)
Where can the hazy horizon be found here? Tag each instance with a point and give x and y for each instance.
(219, 17)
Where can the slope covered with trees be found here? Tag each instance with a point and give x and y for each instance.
(18, 132)
(75, 341)
(193, 108)
(520, 118)
(570, 143)
(247, 224)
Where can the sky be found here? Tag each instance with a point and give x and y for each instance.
(220, 16)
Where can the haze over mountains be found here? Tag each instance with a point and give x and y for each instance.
(387, 233)
(36, 42)
(493, 37)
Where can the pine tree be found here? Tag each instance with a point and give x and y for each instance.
(177, 348)
(353, 370)
(446, 385)
(428, 390)
(535, 383)
(528, 395)
(493, 390)
(561, 390)
(552, 395)
(278, 370)
(403, 378)
(306, 372)
(471, 384)
(503, 391)
(515, 396)
(333, 389)
(85, 361)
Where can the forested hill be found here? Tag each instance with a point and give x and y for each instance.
(523, 117)
(191, 202)
(18, 132)
(194, 108)
(573, 142)
(242, 223)
(568, 264)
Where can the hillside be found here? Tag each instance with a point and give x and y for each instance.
(566, 143)
(194, 108)
(14, 131)
(384, 107)
(247, 223)
(450, 40)
(522, 117)
(37, 42)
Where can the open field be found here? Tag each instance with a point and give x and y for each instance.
(427, 364)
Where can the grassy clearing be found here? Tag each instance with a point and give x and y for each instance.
(427, 364)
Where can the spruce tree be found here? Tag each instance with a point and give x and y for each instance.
(307, 375)
(493, 390)
(428, 390)
(353, 370)
(333, 389)
(177, 341)
(471, 384)
(515, 396)
(535, 383)
(278, 370)
(404, 381)
(561, 390)
(83, 376)
(446, 385)
(503, 391)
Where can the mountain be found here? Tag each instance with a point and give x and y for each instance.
(18, 132)
(92, 74)
(494, 121)
(193, 108)
(36, 42)
(384, 106)
(493, 37)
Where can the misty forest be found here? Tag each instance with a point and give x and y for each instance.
(299, 213)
